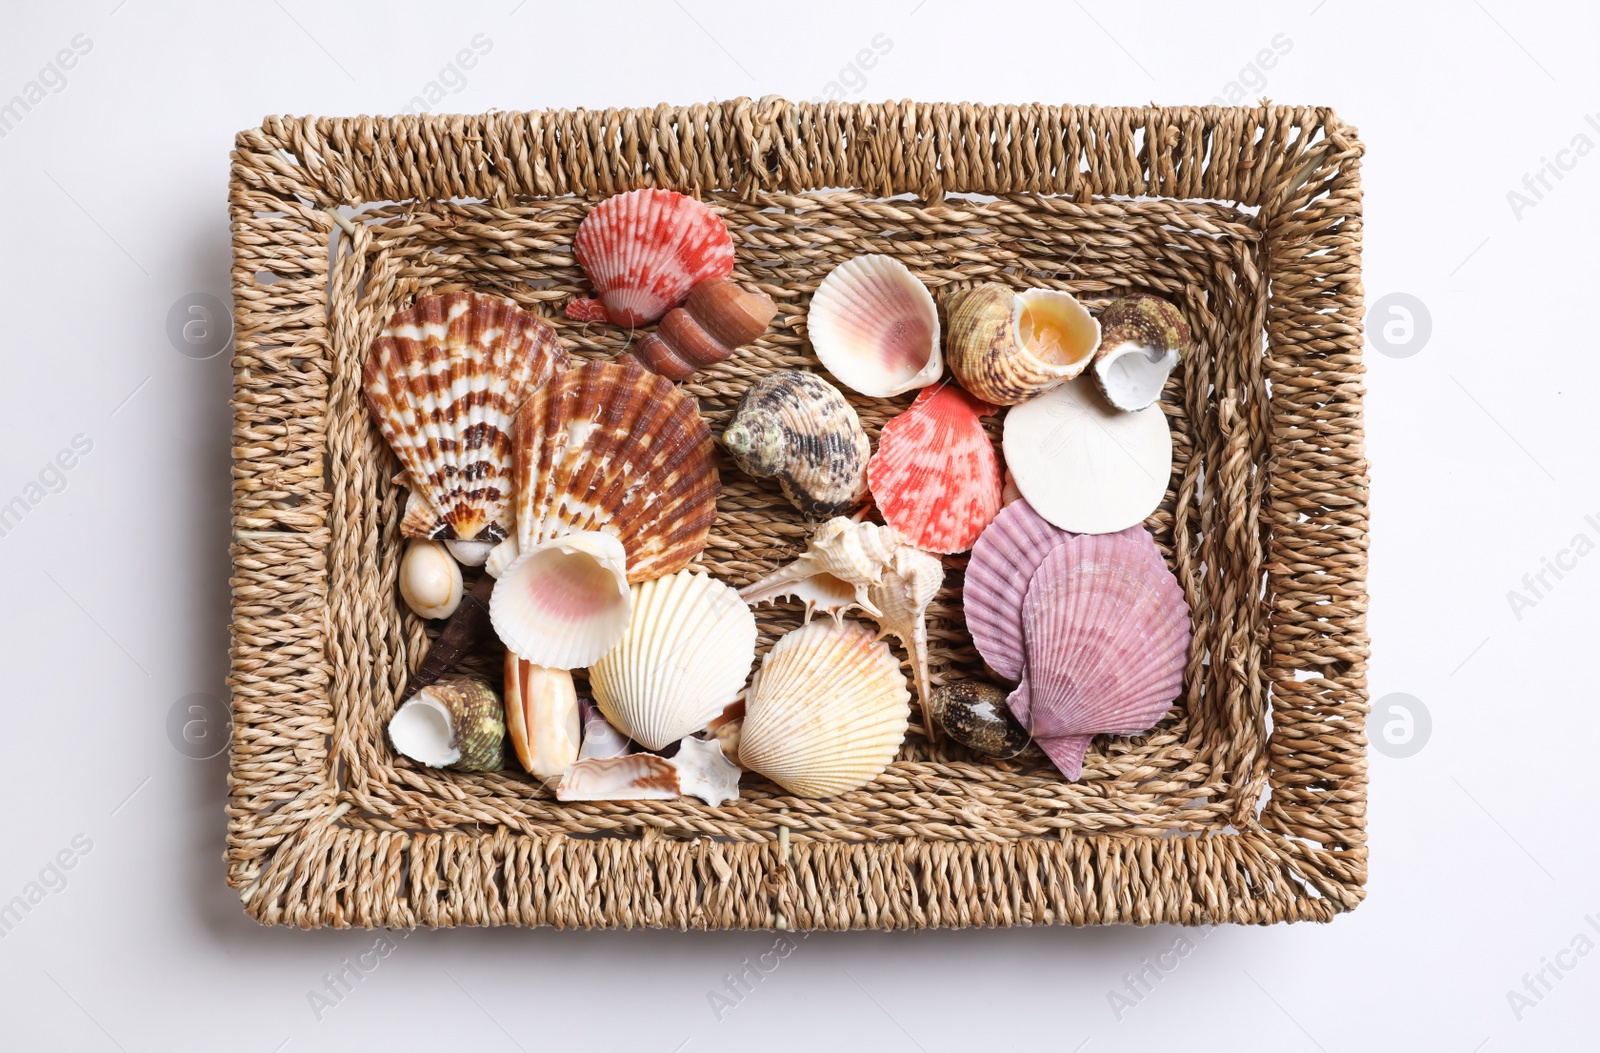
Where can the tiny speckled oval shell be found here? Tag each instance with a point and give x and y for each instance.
(975, 715)
(796, 427)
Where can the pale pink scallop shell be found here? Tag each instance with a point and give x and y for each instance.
(645, 249)
(874, 326)
(935, 477)
(1107, 636)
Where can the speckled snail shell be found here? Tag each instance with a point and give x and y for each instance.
(796, 427)
(1007, 347)
(1143, 338)
(975, 714)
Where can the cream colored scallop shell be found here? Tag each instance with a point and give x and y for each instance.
(827, 710)
(684, 657)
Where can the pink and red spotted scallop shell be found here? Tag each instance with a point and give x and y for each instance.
(935, 477)
(644, 250)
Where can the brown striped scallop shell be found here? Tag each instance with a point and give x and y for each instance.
(444, 381)
(607, 446)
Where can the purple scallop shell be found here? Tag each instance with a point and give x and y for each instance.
(1106, 630)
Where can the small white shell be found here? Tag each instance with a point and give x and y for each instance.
(430, 581)
(684, 657)
(827, 710)
(875, 327)
(470, 553)
(565, 602)
(501, 557)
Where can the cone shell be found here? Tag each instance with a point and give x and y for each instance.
(935, 477)
(1144, 339)
(796, 427)
(718, 318)
(975, 715)
(1107, 634)
(683, 659)
(564, 602)
(826, 712)
(874, 326)
(456, 722)
(541, 717)
(645, 249)
(607, 446)
(444, 381)
(1008, 347)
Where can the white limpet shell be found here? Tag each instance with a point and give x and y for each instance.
(874, 326)
(541, 717)
(564, 602)
(827, 710)
(684, 657)
(698, 769)
(1084, 465)
(470, 553)
(430, 581)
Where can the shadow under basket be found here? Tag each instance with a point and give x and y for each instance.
(1247, 803)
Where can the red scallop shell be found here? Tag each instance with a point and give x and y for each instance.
(645, 249)
(935, 477)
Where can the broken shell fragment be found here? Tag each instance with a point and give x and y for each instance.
(683, 658)
(455, 723)
(727, 728)
(1144, 339)
(1008, 347)
(564, 602)
(645, 249)
(827, 710)
(875, 327)
(718, 318)
(796, 427)
(443, 380)
(698, 769)
(935, 477)
(541, 716)
(975, 715)
(704, 772)
(600, 739)
(430, 581)
(1084, 465)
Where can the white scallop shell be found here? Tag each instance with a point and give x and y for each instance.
(874, 326)
(684, 657)
(565, 602)
(827, 710)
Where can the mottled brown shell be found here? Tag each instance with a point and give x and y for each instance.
(796, 427)
(607, 446)
(975, 714)
(987, 354)
(443, 382)
(1147, 320)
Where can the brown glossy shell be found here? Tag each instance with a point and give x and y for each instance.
(718, 317)
(443, 382)
(607, 446)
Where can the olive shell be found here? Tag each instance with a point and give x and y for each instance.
(975, 715)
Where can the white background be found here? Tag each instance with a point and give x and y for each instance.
(112, 193)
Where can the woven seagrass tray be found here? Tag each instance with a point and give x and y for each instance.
(1246, 804)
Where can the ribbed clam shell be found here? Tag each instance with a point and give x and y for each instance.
(991, 349)
(874, 326)
(685, 656)
(935, 477)
(796, 427)
(645, 249)
(607, 446)
(1144, 339)
(444, 380)
(1107, 635)
(827, 710)
(564, 602)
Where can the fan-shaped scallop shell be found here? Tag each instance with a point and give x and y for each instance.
(827, 710)
(684, 657)
(608, 446)
(796, 427)
(645, 249)
(1107, 636)
(874, 325)
(1006, 347)
(935, 477)
(444, 380)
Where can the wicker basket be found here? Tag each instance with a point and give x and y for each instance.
(1247, 804)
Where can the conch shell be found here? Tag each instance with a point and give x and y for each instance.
(1008, 347)
(796, 427)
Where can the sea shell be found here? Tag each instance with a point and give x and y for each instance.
(600, 739)
(935, 476)
(827, 710)
(1007, 347)
(975, 715)
(564, 602)
(1107, 636)
(1143, 339)
(645, 249)
(796, 427)
(728, 727)
(607, 446)
(718, 318)
(443, 381)
(841, 563)
(456, 723)
(471, 553)
(541, 716)
(684, 657)
(874, 326)
(1085, 466)
(698, 769)
(430, 581)
(902, 599)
